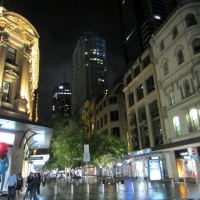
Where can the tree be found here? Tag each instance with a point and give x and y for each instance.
(68, 141)
(105, 147)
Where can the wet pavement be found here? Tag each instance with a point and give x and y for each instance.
(131, 190)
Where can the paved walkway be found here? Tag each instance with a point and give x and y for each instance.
(130, 190)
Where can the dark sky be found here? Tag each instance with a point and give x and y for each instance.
(60, 23)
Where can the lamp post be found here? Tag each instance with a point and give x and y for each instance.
(86, 158)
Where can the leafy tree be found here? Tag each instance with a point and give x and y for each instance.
(69, 138)
(105, 147)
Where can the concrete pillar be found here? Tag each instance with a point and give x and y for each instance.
(171, 166)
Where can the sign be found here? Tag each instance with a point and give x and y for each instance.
(154, 170)
(34, 158)
(193, 152)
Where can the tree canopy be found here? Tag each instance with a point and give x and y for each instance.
(68, 144)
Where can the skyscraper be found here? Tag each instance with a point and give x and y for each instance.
(62, 99)
(89, 70)
(139, 19)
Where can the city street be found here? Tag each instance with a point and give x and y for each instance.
(142, 191)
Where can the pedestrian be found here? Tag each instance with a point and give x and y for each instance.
(11, 182)
(39, 181)
(28, 185)
(19, 185)
(34, 187)
(43, 179)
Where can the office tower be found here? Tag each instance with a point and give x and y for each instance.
(62, 99)
(89, 70)
(139, 19)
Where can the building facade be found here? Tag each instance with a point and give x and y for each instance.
(176, 48)
(20, 134)
(61, 102)
(89, 70)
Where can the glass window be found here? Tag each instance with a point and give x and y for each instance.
(180, 57)
(196, 45)
(171, 98)
(162, 46)
(115, 131)
(114, 116)
(136, 71)
(6, 90)
(11, 54)
(177, 127)
(166, 69)
(194, 118)
(190, 20)
(128, 79)
(146, 61)
(142, 114)
(150, 84)
(187, 88)
(140, 93)
(175, 32)
(131, 99)
(113, 100)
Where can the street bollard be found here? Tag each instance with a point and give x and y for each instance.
(88, 188)
(172, 181)
(72, 188)
(103, 188)
(55, 189)
(117, 187)
(184, 179)
(132, 184)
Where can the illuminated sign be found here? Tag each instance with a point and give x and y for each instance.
(184, 153)
(154, 170)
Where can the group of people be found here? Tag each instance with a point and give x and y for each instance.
(32, 185)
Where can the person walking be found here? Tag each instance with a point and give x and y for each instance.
(39, 181)
(11, 182)
(28, 185)
(34, 187)
(19, 185)
(43, 179)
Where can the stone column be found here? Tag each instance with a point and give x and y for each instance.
(3, 53)
(21, 100)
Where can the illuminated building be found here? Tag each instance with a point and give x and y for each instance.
(62, 100)
(89, 70)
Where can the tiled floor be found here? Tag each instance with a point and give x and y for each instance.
(131, 190)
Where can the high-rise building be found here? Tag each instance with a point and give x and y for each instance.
(140, 19)
(62, 99)
(89, 70)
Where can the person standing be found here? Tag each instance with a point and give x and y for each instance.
(28, 185)
(11, 182)
(34, 187)
(19, 185)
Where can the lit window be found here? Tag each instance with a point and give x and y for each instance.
(171, 97)
(194, 118)
(6, 90)
(176, 123)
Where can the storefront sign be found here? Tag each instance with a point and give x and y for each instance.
(154, 170)
(34, 158)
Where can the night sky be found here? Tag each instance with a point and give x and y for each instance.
(60, 23)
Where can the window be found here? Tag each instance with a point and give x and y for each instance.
(113, 100)
(100, 108)
(114, 115)
(142, 115)
(190, 20)
(11, 54)
(136, 71)
(132, 120)
(115, 131)
(196, 45)
(154, 109)
(104, 104)
(140, 94)
(175, 32)
(128, 79)
(194, 119)
(180, 57)
(165, 68)
(177, 128)
(6, 90)
(105, 119)
(98, 125)
(187, 88)
(162, 46)
(131, 99)
(146, 61)
(101, 121)
(171, 98)
(150, 84)
(135, 139)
